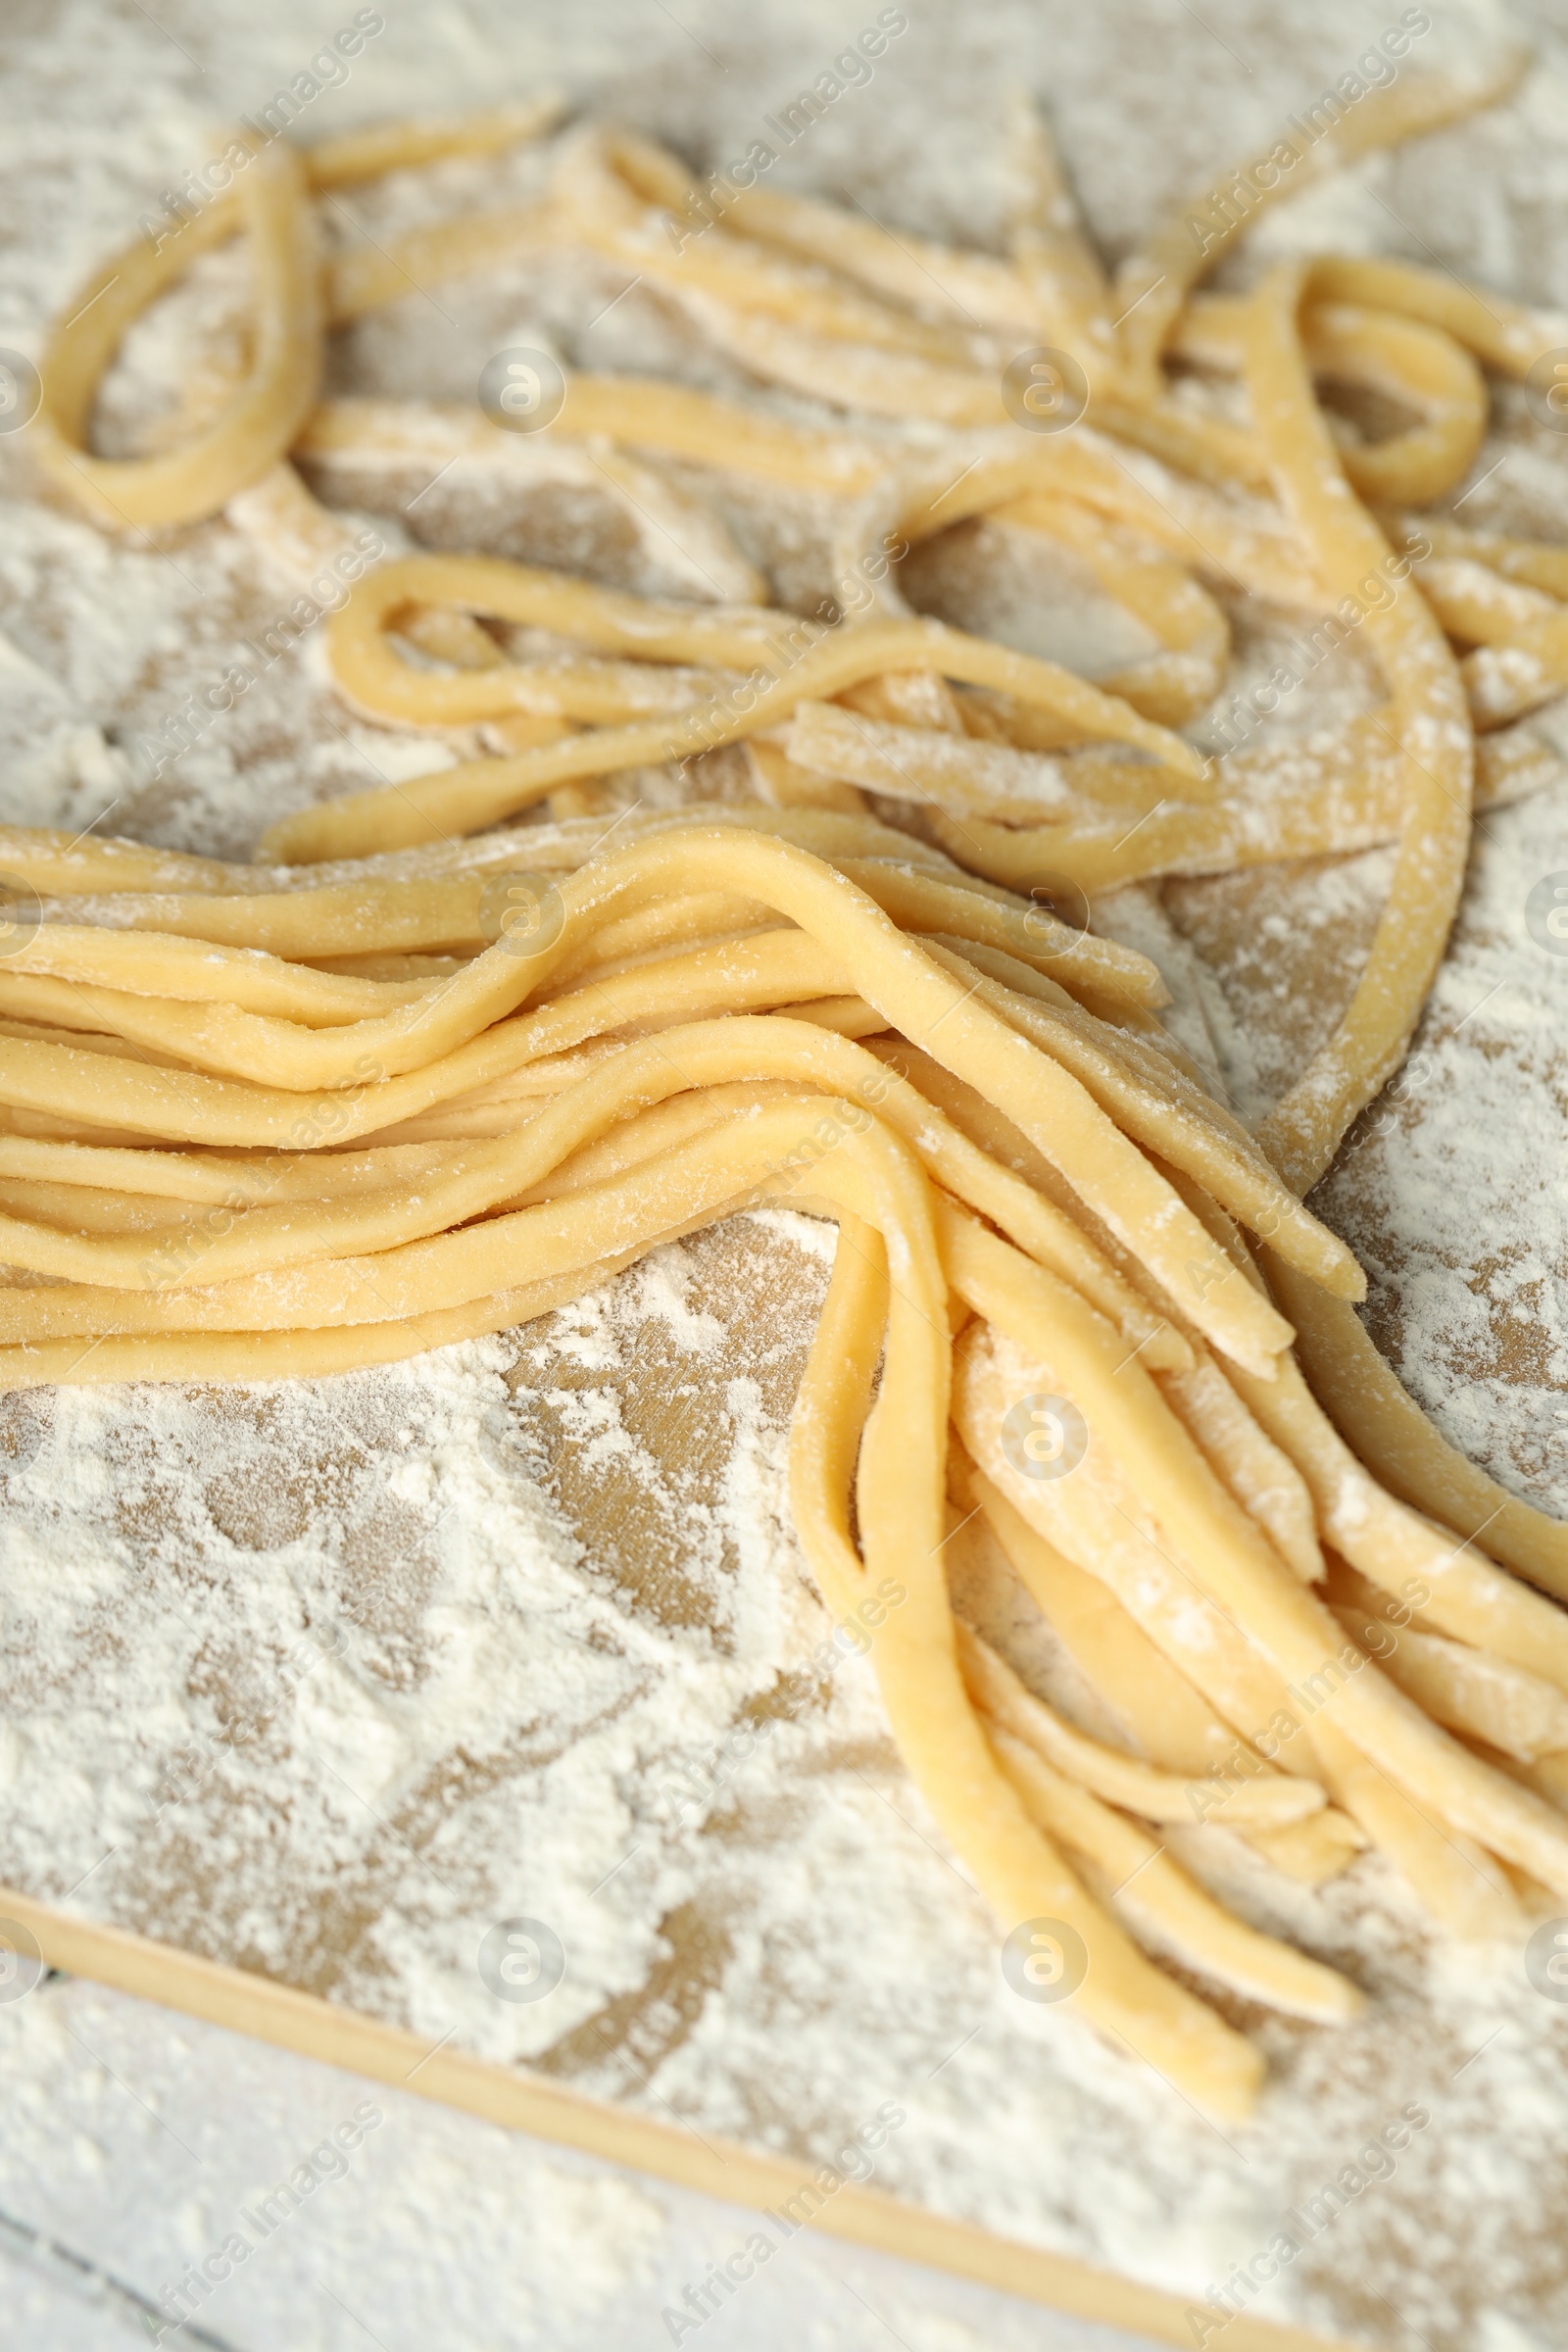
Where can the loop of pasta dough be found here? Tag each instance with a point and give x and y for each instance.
(1421, 366)
(269, 204)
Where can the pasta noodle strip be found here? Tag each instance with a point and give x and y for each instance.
(299, 1354)
(775, 967)
(372, 674)
(268, 202)
(914, 272)
(1535, 1546)
(1245, 543)
(599, 207)
(1396, 1546)
(703, 427)
(303, 538)
(1210, 448)
(1049, 251)
(1266, 1802)
(1471, 1691)
(351, 918)
(50, 860)
(889, 971)
(1303, 1131)
(781, 784)
(430, 1018)
(1097, 1515)
(1159, 1711)
(170, 969)
(83, 867)
(688, 535)
(886, 376)
(373, 916)
(1156, 1709)
(1399, 1445)
(647, 413)
(1501, 334)
(1155, 1103)
(193, 1178)
(956, 774)
(1231, 1563)
(756, 639)
(1160, 1902)
(1519, 672)
(481, 791)
(901, 1513)
(1455, 1878)
(1477, 606)
(1260, 1475)
(1153, 283)
(1173, 687)
(401, 146)
(1316, 797)
(383, 1198)
(917, 273)
(699, 1178)
(831, 1408)
(1530, 561)
(365, 277)
(1419, 365)
(708, 429)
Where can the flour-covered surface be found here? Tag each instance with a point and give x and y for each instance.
(145, 2138)
(328, 1681)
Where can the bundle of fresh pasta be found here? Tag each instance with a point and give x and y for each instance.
(421, 1073)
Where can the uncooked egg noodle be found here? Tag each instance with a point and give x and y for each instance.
(421, 1073)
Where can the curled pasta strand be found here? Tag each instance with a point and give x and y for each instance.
(1417, 365)
(1173, 687)
(481, 791)
(269, 204)
(1154, 281)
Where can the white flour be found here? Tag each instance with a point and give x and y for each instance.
(326, 1681)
